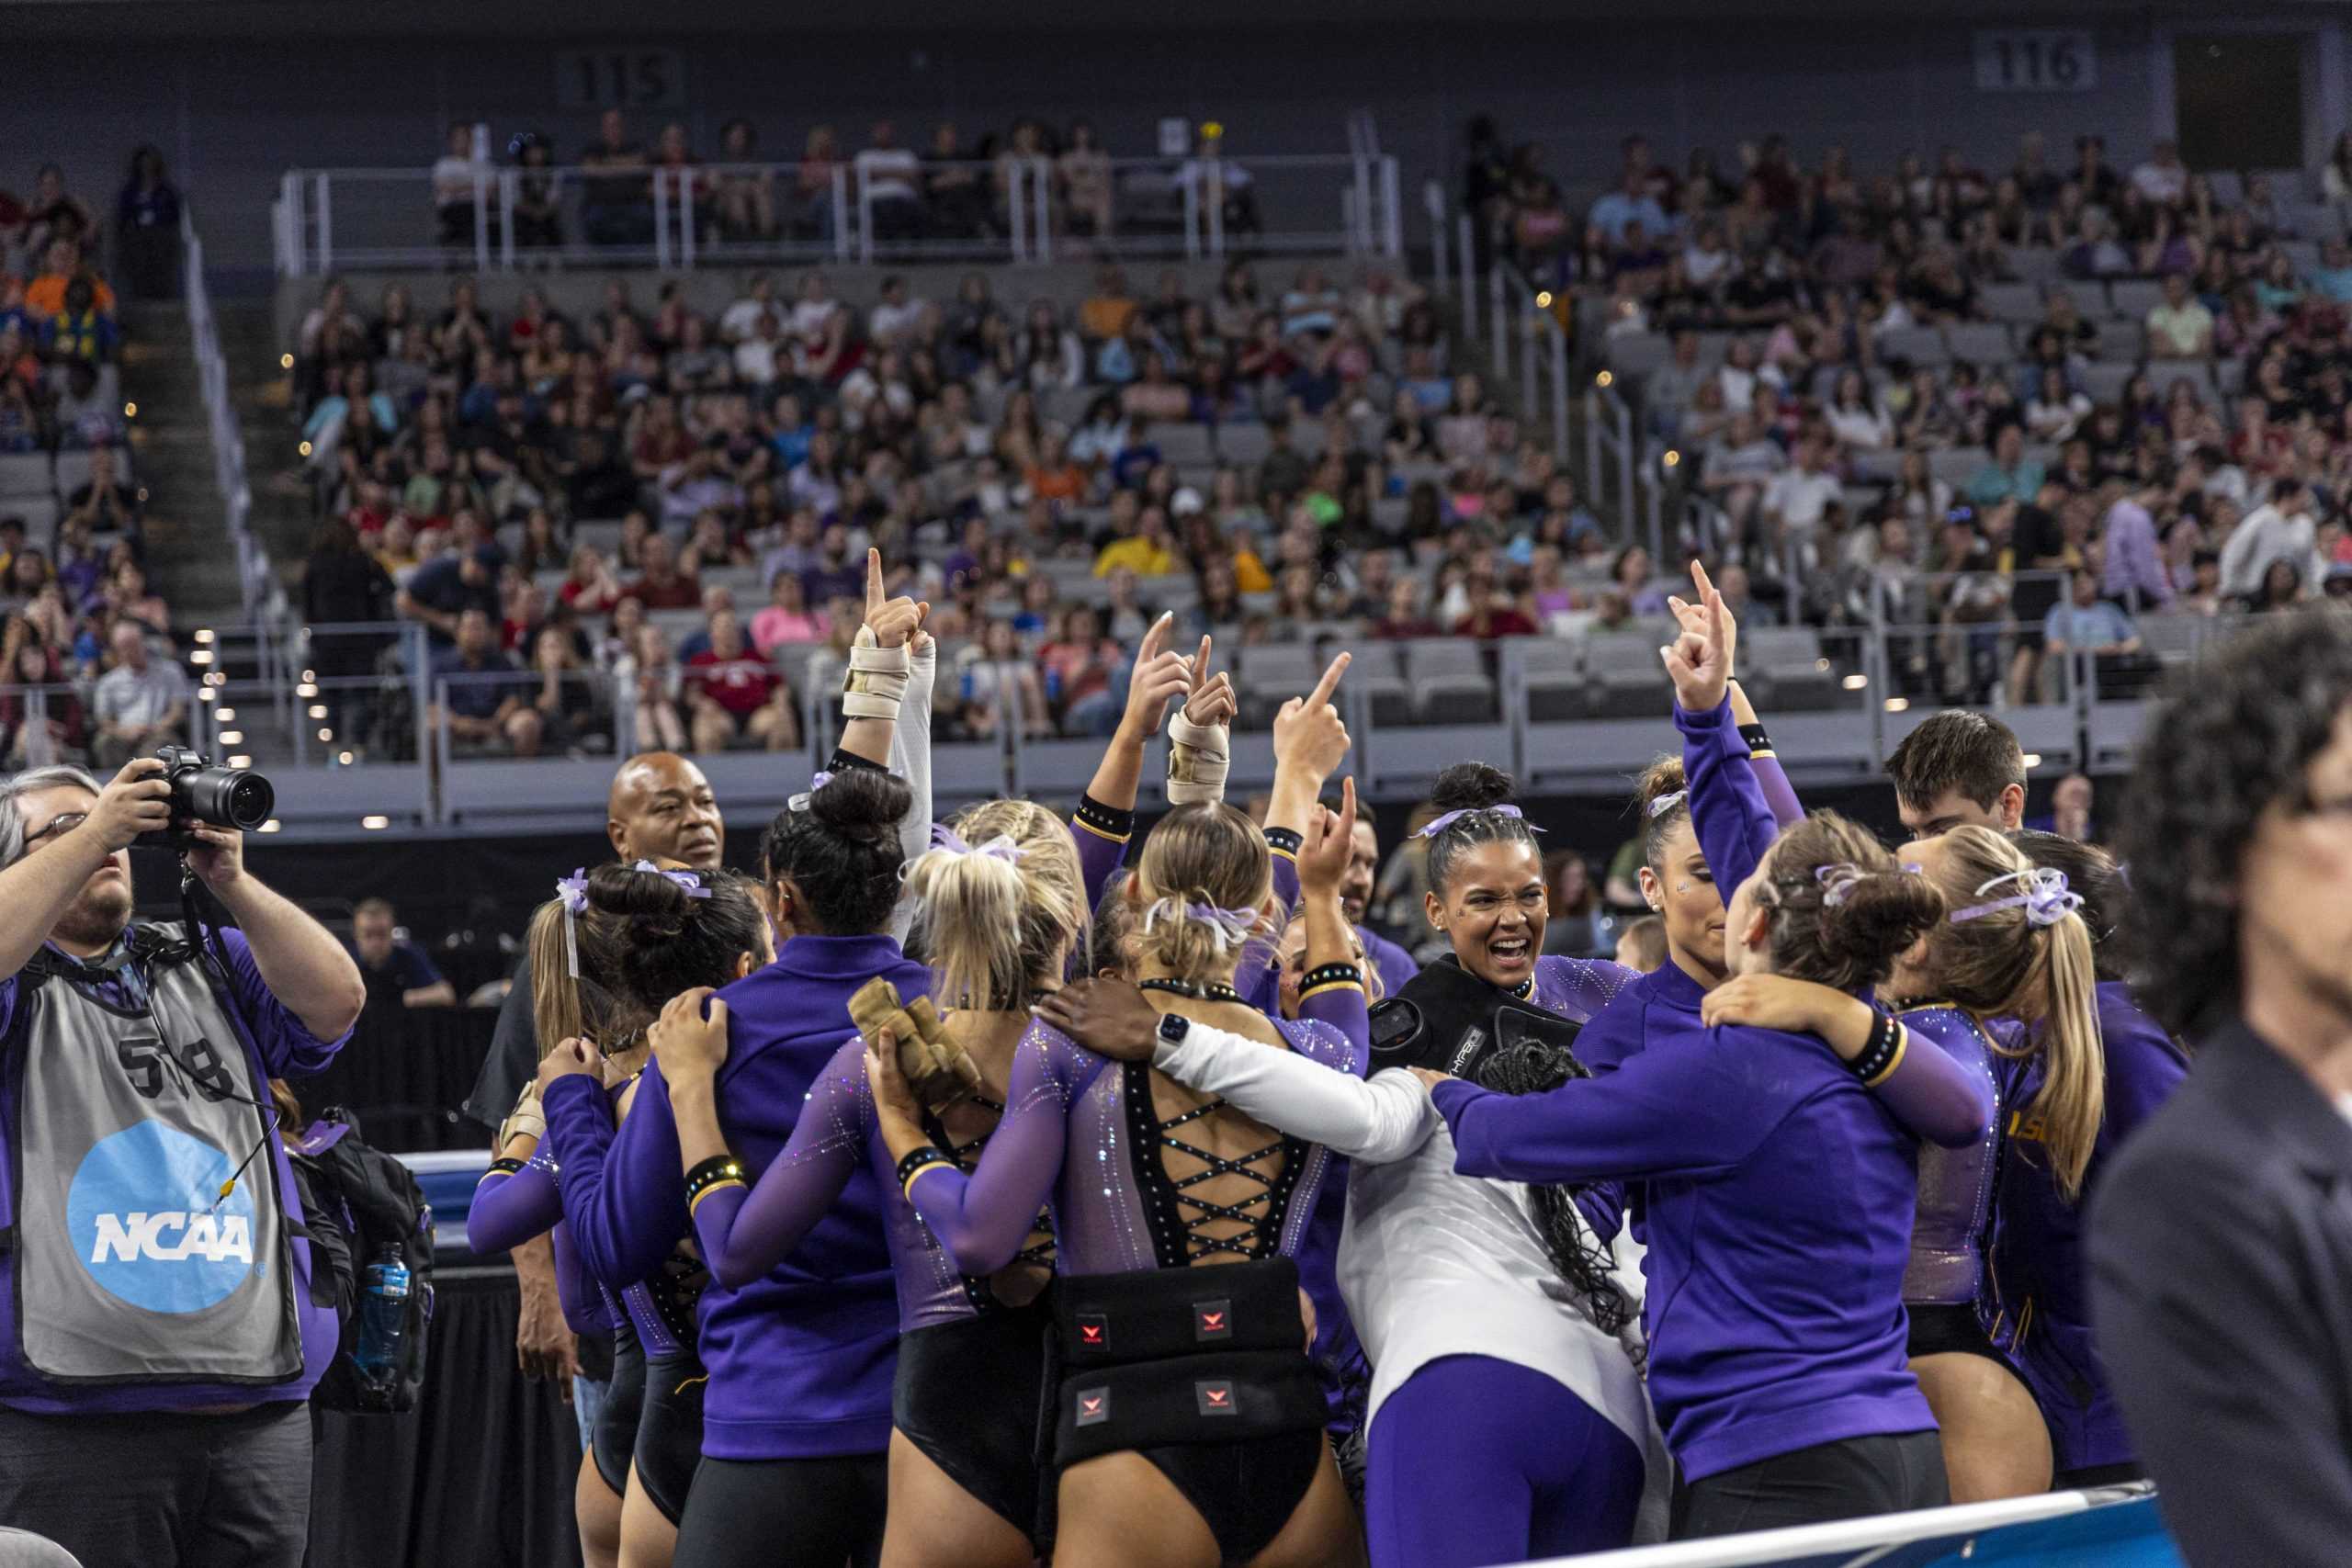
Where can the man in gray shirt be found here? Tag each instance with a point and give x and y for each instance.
(142, 702)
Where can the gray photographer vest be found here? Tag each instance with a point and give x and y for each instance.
(131, 1266)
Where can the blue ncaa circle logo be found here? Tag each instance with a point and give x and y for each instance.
(143, 1223)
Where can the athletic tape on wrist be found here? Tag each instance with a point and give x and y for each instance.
(874, 686)
(1199, 755)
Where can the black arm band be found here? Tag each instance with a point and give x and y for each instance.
(1881, 1052)
(504, 1166)
(1284, 841)
(918, 1158)
(1107, 820)
(1756, 741)
(842, 759)
(1331, 975)
(711, 1172)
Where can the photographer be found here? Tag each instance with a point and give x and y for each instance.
(159, 1331)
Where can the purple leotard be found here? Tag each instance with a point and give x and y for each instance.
(1950, 1230)
(1071, 1132)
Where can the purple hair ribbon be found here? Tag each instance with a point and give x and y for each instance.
(1441, 824)
(1666, 803)
(1234, 927)
(573, 891)
(686, 880)
(1838, 881)
(1001, 847)
(2045, 897)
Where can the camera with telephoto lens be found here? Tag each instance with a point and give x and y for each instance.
(222, 797)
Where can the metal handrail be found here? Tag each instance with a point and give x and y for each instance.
(304, 218)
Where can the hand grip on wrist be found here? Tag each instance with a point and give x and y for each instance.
(1199, 756)
(525, 1120)
(874, 686)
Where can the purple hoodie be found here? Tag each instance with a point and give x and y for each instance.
(1779, 1211)
(801, 1357)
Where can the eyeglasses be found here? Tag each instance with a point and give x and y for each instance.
(65, 822)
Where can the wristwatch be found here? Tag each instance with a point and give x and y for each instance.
(1172, 1028)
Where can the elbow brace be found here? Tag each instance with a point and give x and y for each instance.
(1198, 758)
(875, 683)
(940, 1071)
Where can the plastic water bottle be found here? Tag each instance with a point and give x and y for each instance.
(383, 1318)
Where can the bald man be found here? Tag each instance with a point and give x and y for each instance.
(661, 808)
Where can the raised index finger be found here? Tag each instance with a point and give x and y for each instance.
(1201, 666)
(874, 594)
(1156, 637)
(1330, 681)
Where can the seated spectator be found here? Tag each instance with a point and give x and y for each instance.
(62, 265)
(2164, 178)
(716, 599)
(899, 319)
(439, 593)
(36, 731)
(389, 963)
(1104, 315)
(1796, 498)
(485, 700)
(1147, 552)
(1404, 619)
(786, 618)
(995, 675)
(139, 704)
(83, 415)
(589, 586)
(126, 597)
(1738, 468)
(2281, 529)
(661, 585)
(617, 201)
(2180, 327)
(1083, 675)
(457, 176)
(2087, 623)
(838, 573)
(104, 500)
(888, 173)
(563, 692)
(2009, 474)
(734, 694)
(79, 332)
(2332, 279)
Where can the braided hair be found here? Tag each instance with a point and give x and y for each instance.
(1537, 1067)
(1474, 790)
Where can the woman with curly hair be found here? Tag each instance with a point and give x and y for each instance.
(2218, 1240)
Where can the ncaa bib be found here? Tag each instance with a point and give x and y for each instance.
(130, 1265)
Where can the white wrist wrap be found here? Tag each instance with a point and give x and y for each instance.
(525, 1120)
(1198, 756)
(875, 683)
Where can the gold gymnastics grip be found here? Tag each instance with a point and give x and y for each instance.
(940, 1071)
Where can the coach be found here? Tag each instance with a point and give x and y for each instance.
(158, 1330)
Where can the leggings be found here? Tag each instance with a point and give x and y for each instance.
(785, 1513)
(1477, 1461)
(1853, 1478)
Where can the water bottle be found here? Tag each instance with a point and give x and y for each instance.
(383, 1319)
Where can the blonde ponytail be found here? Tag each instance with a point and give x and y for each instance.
(2015, 944)
(554, 995)
(1207, 873)
(1000, 905)
(2073, 1099)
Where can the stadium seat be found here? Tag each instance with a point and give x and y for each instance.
(1241, 441)
(1979, 342)
(25, 473)
(2124, 341)
(1450, 682)
(1552, 678)
(2017, 303)
(2133, 298)
(1377, 676)
(1267, 676)
(1923, 346)
(1181, 443)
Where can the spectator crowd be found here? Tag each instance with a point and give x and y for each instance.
(1897, 395)
(80, 620)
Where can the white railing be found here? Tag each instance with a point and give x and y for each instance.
(1523, 334)
(253, 580)
(1021, 210)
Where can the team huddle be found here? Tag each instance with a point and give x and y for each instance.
(998, 1191)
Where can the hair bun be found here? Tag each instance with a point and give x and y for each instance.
(863, 804)
(1881, 914)
(1471, 787)
(621, 889)
(1660, 779)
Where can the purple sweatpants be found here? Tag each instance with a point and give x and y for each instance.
(1476, 1461)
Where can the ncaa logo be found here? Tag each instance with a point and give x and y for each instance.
(143, 1222)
